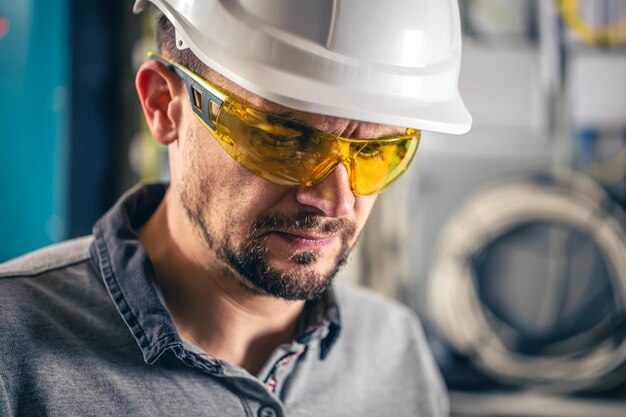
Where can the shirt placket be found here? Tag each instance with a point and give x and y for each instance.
(281, 369)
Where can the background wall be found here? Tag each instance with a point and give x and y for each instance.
(67, 113)
(34, 124)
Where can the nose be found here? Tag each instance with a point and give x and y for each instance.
(332, 196)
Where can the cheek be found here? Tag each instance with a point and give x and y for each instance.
(362, 208)
(217, 181)
(200, 158)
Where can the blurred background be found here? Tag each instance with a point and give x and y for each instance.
(509, 242)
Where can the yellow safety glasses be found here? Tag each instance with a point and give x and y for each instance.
(287, 152)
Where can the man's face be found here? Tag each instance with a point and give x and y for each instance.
(280, 241)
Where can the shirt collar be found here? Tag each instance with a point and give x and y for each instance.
(129, 277)
(320, 319)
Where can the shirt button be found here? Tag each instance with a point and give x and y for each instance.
(267, 411)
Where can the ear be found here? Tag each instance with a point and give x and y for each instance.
(161, 94)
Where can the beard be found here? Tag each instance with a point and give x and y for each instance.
(253, 264)
(251, 260)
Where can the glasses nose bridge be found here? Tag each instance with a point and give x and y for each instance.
(330, 169)
(345, 159)
(346, 155)
(349, 164)
(350, 170)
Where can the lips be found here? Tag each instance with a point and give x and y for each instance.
(302, 240)
(303, 231)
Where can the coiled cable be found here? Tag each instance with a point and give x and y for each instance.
(460, 316)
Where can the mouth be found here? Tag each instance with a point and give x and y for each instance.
(304, 240)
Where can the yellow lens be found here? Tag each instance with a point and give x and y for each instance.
(290, 153)
(377, 165)
(277, 149)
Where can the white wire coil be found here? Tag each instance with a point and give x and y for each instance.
(455, 306)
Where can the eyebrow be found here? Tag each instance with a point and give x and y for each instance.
(291, 115)
(287, 115)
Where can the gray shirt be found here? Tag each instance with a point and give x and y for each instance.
(84, 332)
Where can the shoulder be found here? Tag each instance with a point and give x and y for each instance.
(34, 286)
(47, 259)
(382, 324)
(48, 295)
(364, 306)
(382, 340)
(55, 313)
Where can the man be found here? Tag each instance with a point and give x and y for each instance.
(212, 296)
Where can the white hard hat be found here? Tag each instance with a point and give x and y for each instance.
(395, 62)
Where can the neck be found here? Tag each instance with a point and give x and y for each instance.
(209, 305)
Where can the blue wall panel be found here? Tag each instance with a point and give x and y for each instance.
(34, 112)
